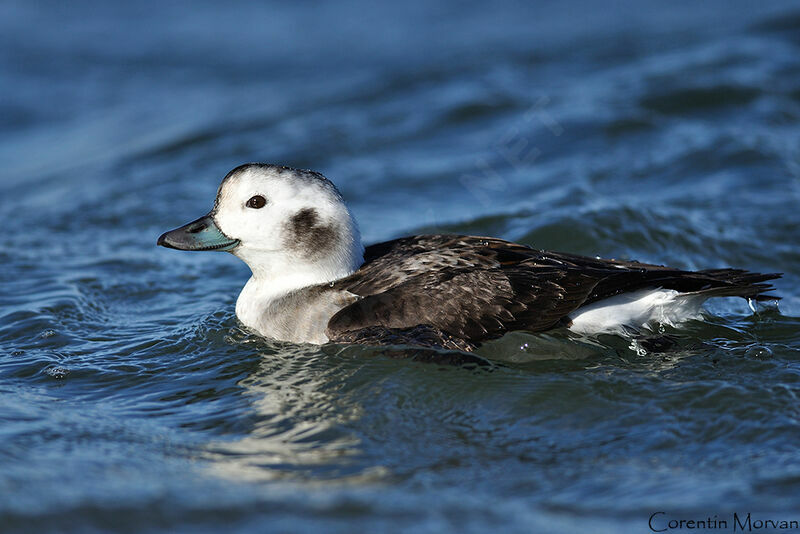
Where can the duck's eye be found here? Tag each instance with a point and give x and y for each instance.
(256, 202)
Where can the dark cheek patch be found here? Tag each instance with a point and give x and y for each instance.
(305, 235)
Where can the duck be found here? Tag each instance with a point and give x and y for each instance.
(314, 282)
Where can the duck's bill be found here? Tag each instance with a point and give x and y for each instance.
(202, 234)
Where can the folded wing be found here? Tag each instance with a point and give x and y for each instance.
(461, 290)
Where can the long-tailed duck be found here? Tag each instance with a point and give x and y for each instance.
(313, 281)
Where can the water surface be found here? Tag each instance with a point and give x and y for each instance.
(133, 402)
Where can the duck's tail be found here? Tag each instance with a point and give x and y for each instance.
(739, 283)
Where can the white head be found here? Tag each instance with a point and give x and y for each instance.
(290, 226)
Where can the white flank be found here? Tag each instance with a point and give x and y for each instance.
(636, 310)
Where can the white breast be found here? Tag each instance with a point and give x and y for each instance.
(299, 316)
(636, 310)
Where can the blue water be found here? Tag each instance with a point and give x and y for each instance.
(130, 400)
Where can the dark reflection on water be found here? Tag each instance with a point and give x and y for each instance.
(132, 401)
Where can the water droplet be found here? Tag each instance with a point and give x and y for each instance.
(758, 352)
(57, 372)
(637, 348)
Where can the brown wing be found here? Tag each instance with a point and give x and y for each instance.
(474, 304)
(465, 287)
